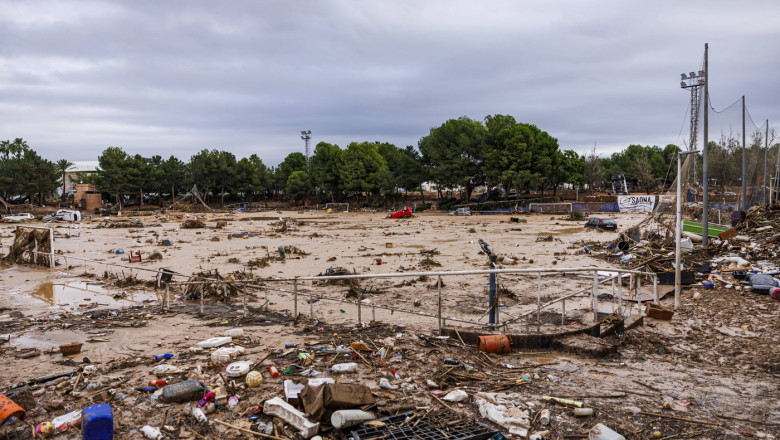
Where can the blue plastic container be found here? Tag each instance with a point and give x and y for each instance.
(97, 422)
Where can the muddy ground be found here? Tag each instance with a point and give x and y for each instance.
(711, 372)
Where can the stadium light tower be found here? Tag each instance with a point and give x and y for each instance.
(695, 82)
(306, 136)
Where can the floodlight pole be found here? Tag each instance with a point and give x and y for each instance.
(766, 149)
(704, 152)
(306, 136)
(744, 159)
(678, 229)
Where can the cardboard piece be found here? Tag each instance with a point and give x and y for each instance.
(319, 401)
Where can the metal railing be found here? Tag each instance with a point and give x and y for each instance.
(634, 276)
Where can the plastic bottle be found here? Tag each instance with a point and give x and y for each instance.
(199, 415)
(274, 372)
(159, 357)
(451, 361)
(152, 433)
(544, 419)
(234, 332)
(290, 345)
(149, 389)
(350, 367)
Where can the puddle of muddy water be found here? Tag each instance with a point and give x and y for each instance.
(49, 339)
(75, 296)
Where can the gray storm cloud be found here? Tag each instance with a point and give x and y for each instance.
(175, 77)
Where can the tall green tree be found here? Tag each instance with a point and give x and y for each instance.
(453, 153)
(364, 169)
(293, 162)
(113, 172)
(570, 168)
(298, 185)
(251, 176)
(173, 175)
(326, 164)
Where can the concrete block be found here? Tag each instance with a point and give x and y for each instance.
(279, 408)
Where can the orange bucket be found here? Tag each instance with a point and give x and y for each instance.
(494, 344)
(9, 408)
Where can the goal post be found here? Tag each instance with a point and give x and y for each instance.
(550, 208)
(337, 207)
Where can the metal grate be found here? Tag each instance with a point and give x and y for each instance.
(430, 428)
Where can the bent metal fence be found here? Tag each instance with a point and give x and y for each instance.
(600, 276)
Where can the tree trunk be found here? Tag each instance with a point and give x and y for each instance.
(140, 197)
(222, 199)
(422, 194)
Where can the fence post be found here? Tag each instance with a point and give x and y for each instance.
(373, 313)
(498, 303)
(638, 289)
(167, 300)
(563, 313)
(311, 304)
(295, 298)
(595, 296)
(620, 295)
(539, 302)
(51, 247)
(201, 299)
(655, 289)
(438, 288)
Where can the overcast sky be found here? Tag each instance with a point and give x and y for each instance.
(173, 77)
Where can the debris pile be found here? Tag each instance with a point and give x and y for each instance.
(30, 246)
(193, 224)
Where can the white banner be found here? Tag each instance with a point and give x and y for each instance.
(636, 203)
(667, 198)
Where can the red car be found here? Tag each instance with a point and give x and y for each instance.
(404, 213)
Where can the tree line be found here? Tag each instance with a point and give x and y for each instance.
(498, 152)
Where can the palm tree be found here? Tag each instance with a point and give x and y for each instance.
(17, 147)
(62, 167)
(5, 148)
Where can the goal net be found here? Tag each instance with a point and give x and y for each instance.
(337, 207)
(551, 208)
(32, 245)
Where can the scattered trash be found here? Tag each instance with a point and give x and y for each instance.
(601, 432)
(9, 408)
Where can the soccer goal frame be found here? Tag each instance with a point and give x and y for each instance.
(343, 207)
(550, 208)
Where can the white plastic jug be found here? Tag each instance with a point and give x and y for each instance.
(152, 433)
(350, 367)
(234, 332)
(350, 417)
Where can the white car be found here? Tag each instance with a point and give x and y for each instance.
(461, 211)
(19, 217)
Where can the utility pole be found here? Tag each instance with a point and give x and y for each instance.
(766, 149)
(744, 159)
(705, 148)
